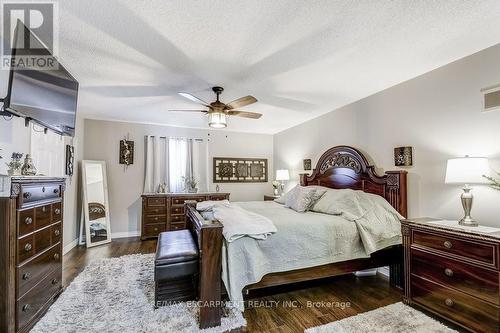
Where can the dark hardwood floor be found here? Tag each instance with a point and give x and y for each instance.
(285, 309)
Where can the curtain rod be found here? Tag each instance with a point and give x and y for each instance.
(174, 137)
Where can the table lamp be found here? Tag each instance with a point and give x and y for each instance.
(282, 175)
(467, 170)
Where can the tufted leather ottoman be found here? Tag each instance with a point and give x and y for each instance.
(176, 267)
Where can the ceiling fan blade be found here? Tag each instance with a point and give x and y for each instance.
(194, 99)
(203, 111)
(245, 114)
(238, 103)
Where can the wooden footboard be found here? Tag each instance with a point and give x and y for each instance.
(209, 239)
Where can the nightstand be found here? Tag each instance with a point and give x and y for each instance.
(453, 272)
(270, 197)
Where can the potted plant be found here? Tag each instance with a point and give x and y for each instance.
(494, 183)
(276, 187)
(190, 184)
(15, 164)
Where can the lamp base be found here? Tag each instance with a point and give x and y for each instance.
(468, 222)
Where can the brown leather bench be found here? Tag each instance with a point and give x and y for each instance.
(176, 267)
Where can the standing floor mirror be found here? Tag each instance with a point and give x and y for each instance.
(95, 203)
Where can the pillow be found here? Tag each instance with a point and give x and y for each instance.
(336, 202)
(320, 190)
(300, 198)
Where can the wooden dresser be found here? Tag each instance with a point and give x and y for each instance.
(31, 225)
(453, 273)
(165, 212)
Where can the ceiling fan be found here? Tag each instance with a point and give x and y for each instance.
(218, 111)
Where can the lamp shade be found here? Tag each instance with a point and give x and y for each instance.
(282, 174)
(217, 120)
(467, 170)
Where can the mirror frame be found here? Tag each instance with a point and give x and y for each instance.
(88, 241)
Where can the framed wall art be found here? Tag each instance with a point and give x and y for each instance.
(240, 170)
(403, 156)
(126, 152)
(70, 159)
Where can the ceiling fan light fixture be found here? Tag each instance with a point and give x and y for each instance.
(217, 120)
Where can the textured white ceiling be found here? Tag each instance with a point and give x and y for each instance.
(300, 59)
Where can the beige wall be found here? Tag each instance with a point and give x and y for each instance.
(438, 113)
(125, 187)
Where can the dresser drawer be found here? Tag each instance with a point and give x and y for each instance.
(37, 298)
(474, 250)
(480, 282)
(43, 216)
(149, 219)
(33, 244)
(25, 222)
(30, 273)
(177, 218)
(217, 197)
(181, 200)
(155, 202)
(33, 194)
(158, 210)
(177, 226)
(153, 230)
(458, 307)
(177, 209)
(56, 233)
(57, 212)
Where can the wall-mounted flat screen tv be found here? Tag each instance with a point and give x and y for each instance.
(45, 94)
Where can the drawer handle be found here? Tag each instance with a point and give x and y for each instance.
(56, 190)
(56, 256)
(156, 218)
(27, 195)
(28, 247)
(449, 302)
(44, 209)
(57, 211)
(28, 220)
(448, 244)
(155, 229)
(448, 272)
(26, 307)
(26, 276)
(43, 189)
(57, 232)
(54, 281)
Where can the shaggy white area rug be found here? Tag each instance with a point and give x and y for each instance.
(394, 318)
(117, 295)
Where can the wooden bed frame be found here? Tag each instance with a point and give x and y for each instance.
(340, 167)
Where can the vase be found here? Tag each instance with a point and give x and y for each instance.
(28, 168)
(192, 190)
(276, 192)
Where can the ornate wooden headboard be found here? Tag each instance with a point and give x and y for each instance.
(346, 167)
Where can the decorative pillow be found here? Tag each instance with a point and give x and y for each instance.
(300, 198)
(333, 201)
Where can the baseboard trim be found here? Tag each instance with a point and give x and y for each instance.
(70, 246)
(125, 234)
(384, 271)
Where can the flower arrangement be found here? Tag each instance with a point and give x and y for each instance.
(494, 183)
(276, 184)
(191, 184)
(15, 164)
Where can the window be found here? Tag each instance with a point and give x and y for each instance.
(47, 152)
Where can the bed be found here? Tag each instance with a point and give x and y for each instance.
(340, 167)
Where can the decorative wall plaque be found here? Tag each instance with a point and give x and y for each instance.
(70, 160)
(240, 170)
(307, 164)
(403, 156)
(126, 152)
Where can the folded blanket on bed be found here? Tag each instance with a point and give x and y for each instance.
(378, 223)
(238, 222)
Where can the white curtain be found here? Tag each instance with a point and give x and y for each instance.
(156, 168)
(170, 160)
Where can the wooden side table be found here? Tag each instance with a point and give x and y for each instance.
(453, 272)
(270, 197)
